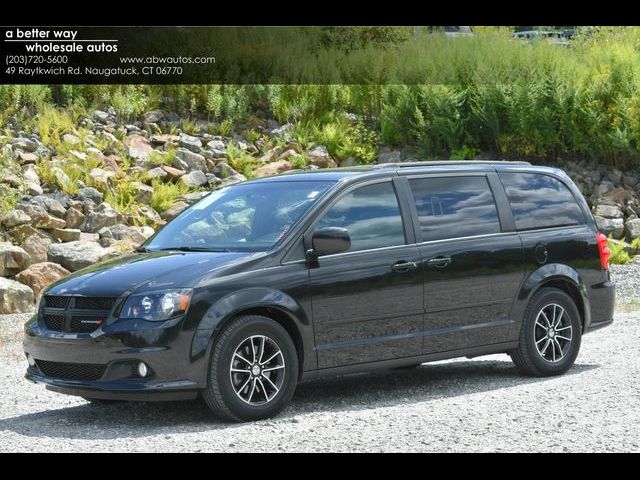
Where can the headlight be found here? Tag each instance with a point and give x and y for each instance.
(156, 306)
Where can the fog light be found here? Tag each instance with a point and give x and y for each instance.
(31, 360)
(142, 369)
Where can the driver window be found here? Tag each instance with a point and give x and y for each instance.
(371, 215)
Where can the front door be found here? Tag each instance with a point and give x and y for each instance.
(368, 301)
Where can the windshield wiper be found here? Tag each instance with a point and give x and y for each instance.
(196, 249)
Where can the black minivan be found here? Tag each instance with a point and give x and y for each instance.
(268, 282)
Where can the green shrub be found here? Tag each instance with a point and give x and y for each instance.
(619, 255)
(166, 194)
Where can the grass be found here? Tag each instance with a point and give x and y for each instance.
(619, 256)
(240, 160)
(166, 194)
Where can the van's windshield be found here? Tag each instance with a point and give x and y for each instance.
(244, 217)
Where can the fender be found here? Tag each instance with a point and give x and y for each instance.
(538, 278)
(249, 299)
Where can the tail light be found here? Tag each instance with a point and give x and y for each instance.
(603, 250)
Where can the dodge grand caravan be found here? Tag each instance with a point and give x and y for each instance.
(265, 283)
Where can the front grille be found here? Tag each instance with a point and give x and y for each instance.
(54, 322)
(95, 303)
(71, 371)
(56, 301)
(80, 315)
(85, 323)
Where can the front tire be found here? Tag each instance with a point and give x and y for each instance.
(550, 336)
(253, 370)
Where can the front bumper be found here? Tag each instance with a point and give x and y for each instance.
(116, 350)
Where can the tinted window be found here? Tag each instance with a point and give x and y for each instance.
(451, 207)
(540, 201)
(370, 214)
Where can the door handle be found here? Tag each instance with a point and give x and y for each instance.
(439, 262)
(404, 266)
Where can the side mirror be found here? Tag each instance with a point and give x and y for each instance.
(330, 240)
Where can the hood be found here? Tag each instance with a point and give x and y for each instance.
(146, 271)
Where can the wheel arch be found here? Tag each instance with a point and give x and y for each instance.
(562, 277)
(266, 302)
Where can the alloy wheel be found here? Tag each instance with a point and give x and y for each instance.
(257, 370)
(553, 333)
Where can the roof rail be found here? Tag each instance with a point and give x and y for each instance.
(432, 163)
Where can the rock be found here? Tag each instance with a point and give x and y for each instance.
(91, 194)
(100, 116)
(16, 217)
(112, 163)
(61, 178)
(12, 259)
(604, 187)
(148, 214)
(224, 170)
(273, 168)
(41, 275)
(40, 218)
(74, 218)
(101, 178)
(173, 173)
(103, 216)
(51, 205)
(83, 157)
(133, 235)
(217, 148)
(610, 226)
(271, 156)
(70, 139)
(212, 180)
(190, 142)
(189, 161)
(79, 254)
(237, 178)
(66, 234)
(154, 116)
(608, 211)
(283, 132)
(10, 179)
(138, 147)
(165, 139)
(15, 297)
(27, 158)
(192, 197)
(142, 192)
(21, 232)
(173, 210)
(348, 162)
(197, 178)
(156, 172)
(389, 156)
(37, 247)
(320, 157)
(632, 229)
(24, 144)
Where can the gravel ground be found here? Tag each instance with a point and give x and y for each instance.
(457, 405)
(627, 280)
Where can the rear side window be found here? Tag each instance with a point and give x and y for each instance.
(451, 207)
(540, 201)
(371, 215)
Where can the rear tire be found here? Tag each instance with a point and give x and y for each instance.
(550, 335)
(253, 370)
